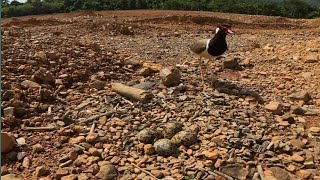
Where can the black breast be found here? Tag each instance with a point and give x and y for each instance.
(217, 45)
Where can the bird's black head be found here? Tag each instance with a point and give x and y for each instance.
(224, 29)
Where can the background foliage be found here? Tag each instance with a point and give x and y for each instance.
(286, 8)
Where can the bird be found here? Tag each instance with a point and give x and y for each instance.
(210, 48)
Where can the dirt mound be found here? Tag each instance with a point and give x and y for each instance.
(271, 23)
(34, 22)
(89, 13)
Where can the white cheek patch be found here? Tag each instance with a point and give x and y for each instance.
(217, 30)
(207, 46)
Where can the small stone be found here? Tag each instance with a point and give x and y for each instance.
(92, 137)
(149, 149)
(11, 177)
(288, 117)
(21, 155)
(43, 76)
(297, 110)
(97, 84)
(77, 140)
(30, 84)
(61, 172)
(231, 63)
(170, 76)
(212, 155)
(147, 136)
(41, 56)
(274, 107)
(164, 147)
(311, 58)
(314, 129)
(69, 177)
(157, 173)
(235, 171)
(296, 158)
(303, 174)
(279, 173)
(94, 151)
(194, 128)
(171, 128)
(107, 172)
(26, 162)
(41, 171)
(83, 176)
(21, 141)
(185, 138)
(7, 142)
(37, 148)
(145, 71)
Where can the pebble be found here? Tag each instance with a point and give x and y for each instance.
(297, 158)
(274, 107)
(37, 148)
(41, 171)
(107, 172)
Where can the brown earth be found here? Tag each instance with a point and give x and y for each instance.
(74, 58)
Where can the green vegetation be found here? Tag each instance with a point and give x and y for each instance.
(286, 8)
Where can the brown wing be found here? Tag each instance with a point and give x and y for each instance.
(199, 46)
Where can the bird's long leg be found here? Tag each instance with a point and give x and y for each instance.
(202, 78)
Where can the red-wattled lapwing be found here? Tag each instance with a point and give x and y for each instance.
(210, 48)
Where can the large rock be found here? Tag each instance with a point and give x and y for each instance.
(107, 172)
(7, 142)
(301, 96)
(170, 76)
(43, 76)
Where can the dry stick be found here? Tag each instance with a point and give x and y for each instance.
(92, 128)
(128, 101)
(92, 118)
(39, 128)
(147, 172)
(260, 171)
(224, 175)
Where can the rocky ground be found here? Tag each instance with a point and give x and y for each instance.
(65, 118)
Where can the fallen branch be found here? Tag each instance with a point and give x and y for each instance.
(131, 92)
(147, 172)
